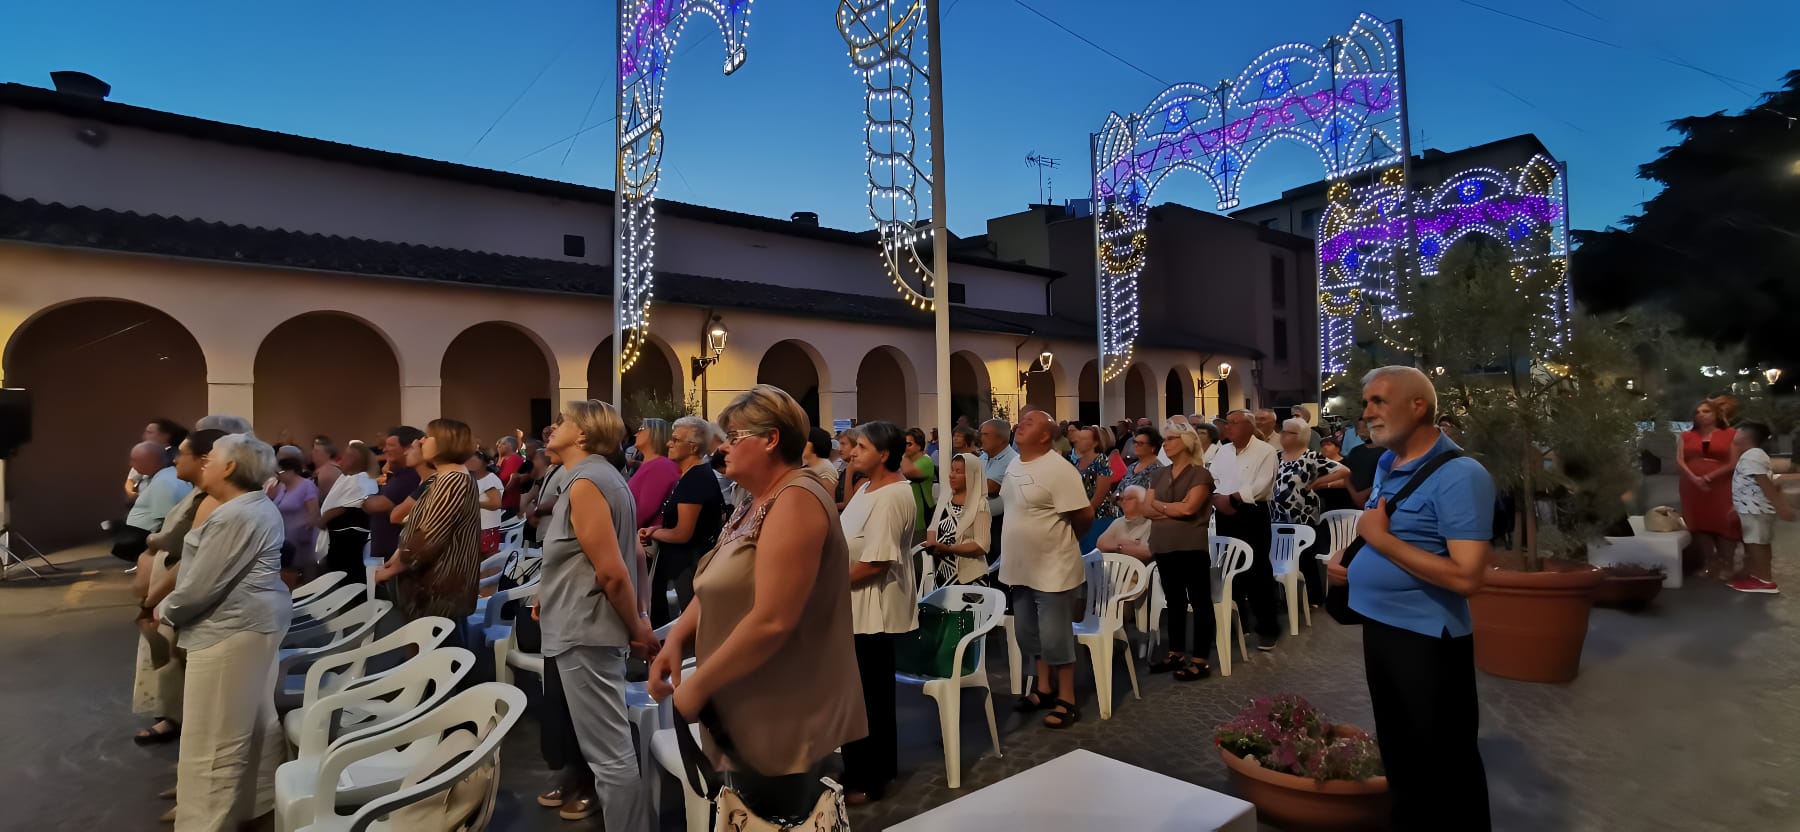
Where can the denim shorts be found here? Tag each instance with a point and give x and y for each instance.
(1045, 624)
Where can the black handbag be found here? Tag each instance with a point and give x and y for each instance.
(1337, 600)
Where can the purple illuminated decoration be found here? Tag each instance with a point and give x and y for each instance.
(648, 32)
(1364, 234)
(1343, 100)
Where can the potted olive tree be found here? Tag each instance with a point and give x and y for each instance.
(1544, 406)
(1302, 772)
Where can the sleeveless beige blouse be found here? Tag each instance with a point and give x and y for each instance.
(806, 700)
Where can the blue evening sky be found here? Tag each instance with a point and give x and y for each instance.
(784, 133)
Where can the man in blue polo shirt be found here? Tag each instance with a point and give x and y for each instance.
(1411, 581)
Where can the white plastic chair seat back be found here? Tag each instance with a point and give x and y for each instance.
(315, 589)
(988, 605)
(1342, 524)
(310, 618)
(491, 617)
(1287, 542)
(343, 669)
(494, 709)
(351, 630)
(1230, 558)
(1113, 580)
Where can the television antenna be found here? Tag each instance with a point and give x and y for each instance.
(1042, 163)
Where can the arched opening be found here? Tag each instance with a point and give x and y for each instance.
(1140, 393)
(885, 390)
(1087, 388)
(1224, 397)
(1178, 392)
(652, 380)
(970, 394)
(325, 373)
(789, 365)
(497, 379)
(98, 370)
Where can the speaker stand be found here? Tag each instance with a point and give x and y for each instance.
(11, 543)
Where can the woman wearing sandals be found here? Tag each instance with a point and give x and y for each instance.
(1178, 507)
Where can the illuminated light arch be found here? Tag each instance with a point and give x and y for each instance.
(1364, 233)
(880, 35)
(648, 32)
(1344, 100)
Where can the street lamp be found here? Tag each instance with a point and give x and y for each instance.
(715, 347)
(1044, 360)
(1772, 375)
(1205, 384)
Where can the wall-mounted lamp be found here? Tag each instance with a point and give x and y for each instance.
(1044, 361)
(715, 346)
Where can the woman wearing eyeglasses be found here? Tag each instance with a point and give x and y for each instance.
(686, 523)
(1145, 443)
(776, 687)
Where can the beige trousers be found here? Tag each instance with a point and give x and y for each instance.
(231, 740)
(156, 691)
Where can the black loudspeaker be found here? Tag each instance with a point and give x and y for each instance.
(15, 420)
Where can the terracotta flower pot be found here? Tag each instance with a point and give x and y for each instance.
(1302, 804)
(1631, 592)
(1530, 626)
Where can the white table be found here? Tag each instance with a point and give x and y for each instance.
(1081, 792)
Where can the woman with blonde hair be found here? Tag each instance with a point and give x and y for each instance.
(1706, 461)
(960, 530)
(776, 599)
(588, 608)
(1179, 504)
(435, 569)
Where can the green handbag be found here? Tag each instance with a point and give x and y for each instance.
(931, 649)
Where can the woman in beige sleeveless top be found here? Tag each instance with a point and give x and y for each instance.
(777, 666)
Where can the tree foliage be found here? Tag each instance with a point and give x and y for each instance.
(1718, 247)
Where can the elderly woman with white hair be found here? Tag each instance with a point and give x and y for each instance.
(230, 609)
(1130, 534)
(1178, 507)
(1299, 475)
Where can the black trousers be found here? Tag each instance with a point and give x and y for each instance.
(1255, 589)
(1311, 568)
(871, 763)
(556, 732)
(1426, 721)
(676, 567)
(1187, 579)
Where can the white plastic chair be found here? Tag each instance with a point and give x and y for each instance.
(1015, 663)
(667, 751)
(1231, 558)
(649, 716)
(1113, 580)
(315, 589)
(1287, 542)
(494, 708)
(410, 691)
(340, 671)
(311, 619)
(1342, 524)
(927, 570)
(987, 604)
(487, 625)
(348, 631)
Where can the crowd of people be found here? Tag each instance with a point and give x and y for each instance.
(1730, 496)
(804, 550)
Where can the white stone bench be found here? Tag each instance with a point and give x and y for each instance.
(1645, 548)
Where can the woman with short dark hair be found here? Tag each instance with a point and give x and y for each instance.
(878, 523)
(435, 569)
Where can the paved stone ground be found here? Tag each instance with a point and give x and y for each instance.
(1686, 717)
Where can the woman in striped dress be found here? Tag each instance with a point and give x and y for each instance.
(436, 568)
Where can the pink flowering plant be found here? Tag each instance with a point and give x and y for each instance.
(1287, 734)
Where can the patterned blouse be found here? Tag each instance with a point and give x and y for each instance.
(1090, 475)
(1135, 477)
(442, 549)
(1294, 501)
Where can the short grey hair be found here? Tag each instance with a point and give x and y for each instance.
(510, 442)
(1413, 381)
(223, 422)
(1299, 424)
(254, 458)
(705, 435)
(1243, 411)
(1137, 491)
(1001, 425)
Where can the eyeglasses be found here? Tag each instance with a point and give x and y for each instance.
(736, 436)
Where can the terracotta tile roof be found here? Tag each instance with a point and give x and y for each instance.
(55, 224)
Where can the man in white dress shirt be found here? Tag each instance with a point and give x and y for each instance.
(1244, 476)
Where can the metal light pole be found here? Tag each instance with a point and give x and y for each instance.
(618, 218)
(1099, 284)
(940, 231)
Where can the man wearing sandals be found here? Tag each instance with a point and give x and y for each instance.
(1411, 582)
(1048, 511)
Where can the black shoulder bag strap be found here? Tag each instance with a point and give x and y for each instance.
(697, 769)
(1337, 600)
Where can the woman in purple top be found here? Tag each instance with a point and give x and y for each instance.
(656, 474)
(298, 499)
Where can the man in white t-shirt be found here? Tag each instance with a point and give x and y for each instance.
(1244, 478)
(1047, 512)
